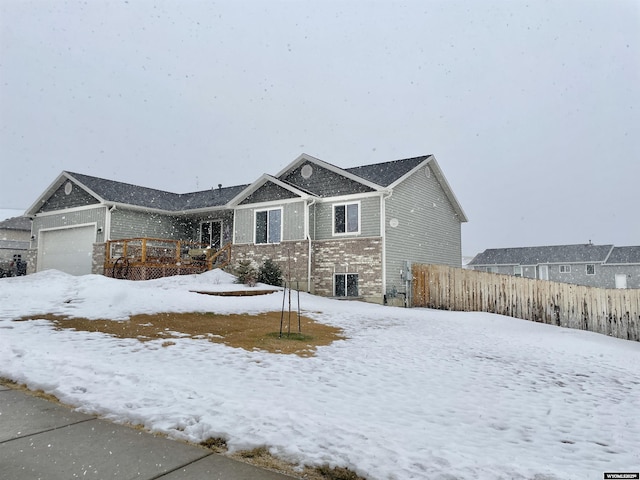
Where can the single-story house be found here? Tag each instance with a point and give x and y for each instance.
(343, 232)
(602, 266)
(15, 234)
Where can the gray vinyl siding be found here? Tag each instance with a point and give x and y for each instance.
(608, 275)
(134, 224)
(292, 222)
(369, 218)
(59, 200)
(70, 219)
(428, 230)
(578, 275)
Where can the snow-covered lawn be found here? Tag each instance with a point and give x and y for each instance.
(412, 393)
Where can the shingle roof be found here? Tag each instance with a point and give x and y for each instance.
(126, 193)
(384, 174)
(16, 223)
(14, 245)
(626, 255)
(581, 253)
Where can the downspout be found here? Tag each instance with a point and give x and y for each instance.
(107, 224)
(308, 235)
(383, 224)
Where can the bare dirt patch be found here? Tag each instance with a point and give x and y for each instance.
(251, 332)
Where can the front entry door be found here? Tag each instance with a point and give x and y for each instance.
(621, 280)
(543, 272)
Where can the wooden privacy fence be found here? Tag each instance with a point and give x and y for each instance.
(610, 312)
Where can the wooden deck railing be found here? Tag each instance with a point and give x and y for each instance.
(147, 258)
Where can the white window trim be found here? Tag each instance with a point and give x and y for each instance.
(255, 222)
(565, 269)
(220, 221)
(587, 268)
(345, 284)
(333, 218)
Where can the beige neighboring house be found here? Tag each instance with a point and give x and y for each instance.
(15, 238)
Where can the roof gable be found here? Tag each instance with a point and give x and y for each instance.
(624, 255)
(267, 189)
(323, 179)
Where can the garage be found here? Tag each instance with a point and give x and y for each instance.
(67, 249)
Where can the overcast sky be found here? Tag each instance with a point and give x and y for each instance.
(532, 108)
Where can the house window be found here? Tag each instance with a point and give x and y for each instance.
(346, 218)
(565, 268)
(345, 285)
(591, 269)
(211, 234)
(492, 269)
(269, 226)
(517, 270)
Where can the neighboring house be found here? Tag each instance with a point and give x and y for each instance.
(336, 232)
(603, 266)
(15, 234)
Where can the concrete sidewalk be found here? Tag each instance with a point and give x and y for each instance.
(44, 440)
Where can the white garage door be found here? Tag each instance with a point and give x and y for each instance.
(68, 249)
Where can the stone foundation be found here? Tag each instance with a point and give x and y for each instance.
(98, 258)
(291, 257)
(356, 255)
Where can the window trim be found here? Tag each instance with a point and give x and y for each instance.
(564, 269)
(255, 225)
(593, 267)
(333, 218)
(219, 220)
(346, 284)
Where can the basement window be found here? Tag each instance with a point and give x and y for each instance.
(345, 285)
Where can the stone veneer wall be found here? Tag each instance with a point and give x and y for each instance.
(32, 260)
(291, 257)
(355, 255)
(98, 258)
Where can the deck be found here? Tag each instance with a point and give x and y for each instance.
(149, 258)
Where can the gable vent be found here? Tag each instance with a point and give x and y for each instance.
(306, 171)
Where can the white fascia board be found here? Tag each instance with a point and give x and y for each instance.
(608, 254)
(57, 183)
(235, 201)
(85, 188)
(201, 210)
(422, 164)
(437, 171)
(70, 210)
(271, 203)
(337, 170)
(351, 197)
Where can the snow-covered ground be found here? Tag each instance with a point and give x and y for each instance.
(412, 393)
